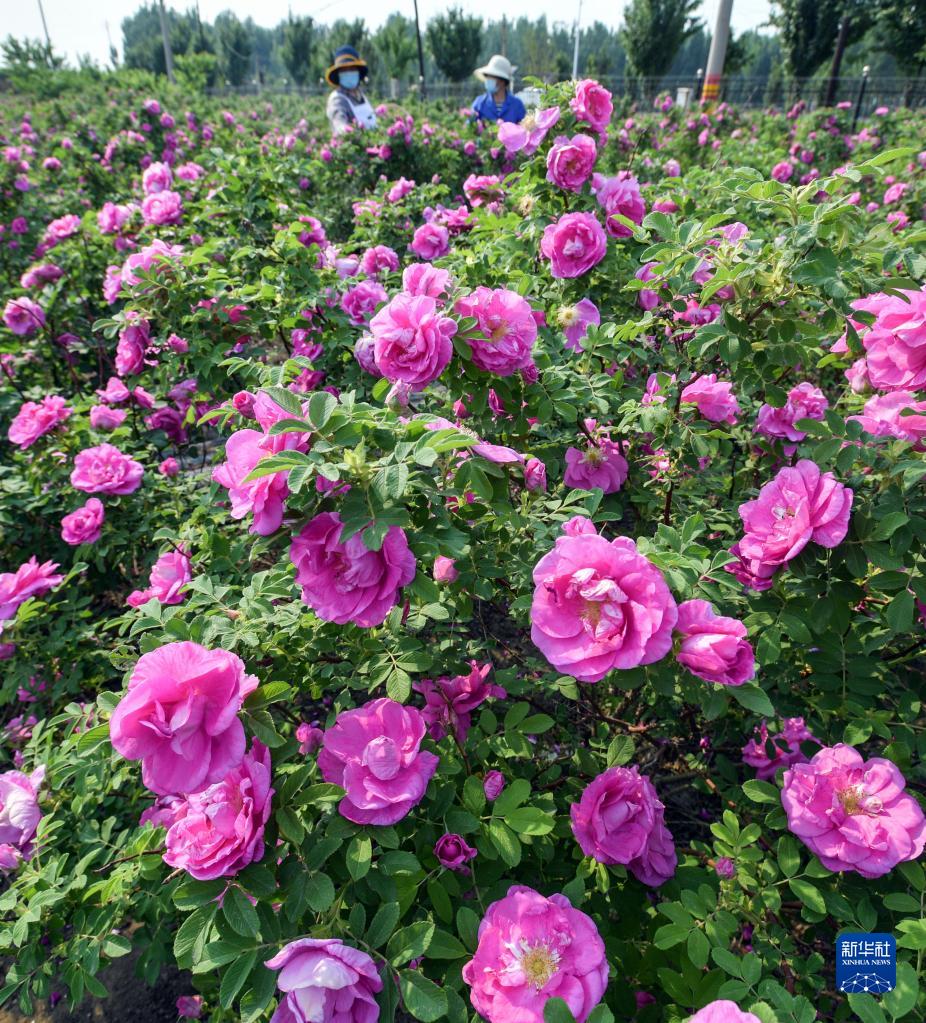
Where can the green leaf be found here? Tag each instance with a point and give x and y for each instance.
(191, 935)
(670, 935)
(446, 946)
(234, 976)
(899, 613)
(698, 947)
(557, 1011)
(620, 751)
(888, 526)
(808, 894)
(286, 400)
(263, 696)
(467, 927)
(263, 984)
(903, 998)
(423, 998)
(536, 724)
(359, 856)
(319, 892)
(867, 1009)
(789, 856)
(410, 942)
(528, 820)
(753, 698)
(87, 740)
(383, 924)
(761, 791)
(505, 841)
(240, 914)
(321, 405)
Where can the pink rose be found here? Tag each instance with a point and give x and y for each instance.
(430, 241)
(884, 416)
(592, 104)
(599, 465)
(23, 316)
(29, 580)
(36, 418)
(574, 244)
(162, 208)
(113, 217)
(619, 819)
(157, 177)
(853, 813)
(344, 581)
(309, 738)
(374, 753)
(799, 505)
(445, 570)
(575, 321)
(114, 393)
(379, 259)
(19, 816)
(493, 785)
(532, 949)
(61, 229)
(412, 340)
(599, 605)
(102, 417)
(723, 1010)
(169, 467)
(169, 577)
(570, 162)
(787, 747)
(713, 398)
(620, 194)
(804, 402)
(895, 345)
(450, 702)
(324, 979)
(180, 717)
(133, 342)
(360, 301)
(502, 340)
(84, 524)
(106, 470)
(190, 1006)
(713, 647)
(425, 279)
(219, 831)
(783, 171)
(535, 475)
(453, 853)
(265, 495)
(155, 256)
(527, 136)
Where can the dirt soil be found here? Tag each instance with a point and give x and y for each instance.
(130, 999)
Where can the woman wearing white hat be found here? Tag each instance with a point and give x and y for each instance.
(497, 102)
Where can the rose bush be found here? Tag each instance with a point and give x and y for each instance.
(460, 572)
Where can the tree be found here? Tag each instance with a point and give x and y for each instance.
(654, 31)
(234, 44)
(395, 45)
(455, 39)
(900, 30)
(809, 30)
(297, 48)
(22, 55)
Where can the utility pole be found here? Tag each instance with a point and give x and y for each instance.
(575, 51)
(421, 83)
(841, 41)
(718, 52)
(45, 26)
(165, 36)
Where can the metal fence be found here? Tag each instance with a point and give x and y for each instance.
(768, 91)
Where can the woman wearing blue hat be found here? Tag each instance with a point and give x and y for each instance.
(497, 102)
(347, 105)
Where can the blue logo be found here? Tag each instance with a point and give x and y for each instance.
(866, 962)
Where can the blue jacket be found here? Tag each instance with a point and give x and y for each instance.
(486, 109)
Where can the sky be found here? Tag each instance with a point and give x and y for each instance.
(80, 26)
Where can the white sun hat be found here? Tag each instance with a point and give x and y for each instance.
(498, 67)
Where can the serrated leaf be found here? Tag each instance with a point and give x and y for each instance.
(422, 997)
(240, 914)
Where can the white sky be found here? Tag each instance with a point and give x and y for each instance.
(79, 26)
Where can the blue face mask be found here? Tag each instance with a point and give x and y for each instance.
(349, 79)
(491, 85)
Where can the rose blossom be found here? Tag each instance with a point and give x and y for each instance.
(535, 475)
(883, 416)
(445, 570)
(804, 402)
(378, 259)
(425, 279)
(133, 342)
(309, 738)
(374, 753)
(102, 417)
(412, 340)
(450, 702)
(344, 581)
(323, 980)
(430, 241)
(575, 321)
(179, 716)
(29, 580)
(527, 136)
(493, 784)
(787, 747)
(503, 338)
(620, 820)
(219, 831)
(713, 647)
(573, 244)
(723, 1010)
(23, 316)
(169, 576)
(157, 177)
(19, 816)
(600, 464)
(853, 813)
(570, 161)
(162, 208)
(36, 418)
(106, 470)
(895, 344)
(592, 104)
(620, 194)
(531, 949)
(453, 853)
(713, 398)
(798, 506)
(599, 605)
(190, 1006)
(84, 524)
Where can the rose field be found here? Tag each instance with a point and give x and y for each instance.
(461, 574)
